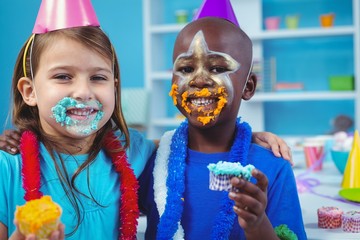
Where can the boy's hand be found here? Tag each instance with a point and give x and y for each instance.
(277, 145)
(10, 141)
(250, 201)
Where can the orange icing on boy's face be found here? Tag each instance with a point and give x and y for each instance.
(203, 85)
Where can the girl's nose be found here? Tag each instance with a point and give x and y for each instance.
(83, 90)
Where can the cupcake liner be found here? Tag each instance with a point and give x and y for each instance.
(351, 221)
(329, 217)
(220, 182)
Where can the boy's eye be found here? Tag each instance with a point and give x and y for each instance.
(186, 70)
(62, 77)
(218, 69)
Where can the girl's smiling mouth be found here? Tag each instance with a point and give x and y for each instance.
(81, 114)
(80, 117)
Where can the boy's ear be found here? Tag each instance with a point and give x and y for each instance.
(26, 89)
(250, 87)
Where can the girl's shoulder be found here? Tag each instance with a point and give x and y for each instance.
(9, 162)
(136, 137)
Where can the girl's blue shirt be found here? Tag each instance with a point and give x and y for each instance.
(98, 221)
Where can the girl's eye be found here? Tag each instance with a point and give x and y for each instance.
(218, 69)
(98, 78)
(62, 77)
(186, 70)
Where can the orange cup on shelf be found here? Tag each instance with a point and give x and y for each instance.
(327, 20)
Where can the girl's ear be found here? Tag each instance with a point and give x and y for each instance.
(250, 87)
(27, 91)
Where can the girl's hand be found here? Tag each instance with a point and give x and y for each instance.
(250, 201)
(10, 141)
(277, 145)
(58, 234)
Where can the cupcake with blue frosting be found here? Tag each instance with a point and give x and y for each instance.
(222, 172)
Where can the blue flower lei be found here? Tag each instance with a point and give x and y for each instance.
(175, 183)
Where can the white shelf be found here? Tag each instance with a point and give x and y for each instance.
(304, 32)
(280, 96)
(166, 28)
(162, 75)
(303, 96)
(271, 34)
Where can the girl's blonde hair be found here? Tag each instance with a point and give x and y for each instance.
(26, 117)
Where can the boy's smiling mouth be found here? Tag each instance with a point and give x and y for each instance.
(204, 104)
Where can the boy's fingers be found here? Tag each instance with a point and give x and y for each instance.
(262, 181)
(10, 141)
(12, 134)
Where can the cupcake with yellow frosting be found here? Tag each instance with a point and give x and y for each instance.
(39, 217)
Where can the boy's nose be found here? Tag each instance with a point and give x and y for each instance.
(201, 80)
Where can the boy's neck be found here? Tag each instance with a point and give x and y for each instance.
(211, 140)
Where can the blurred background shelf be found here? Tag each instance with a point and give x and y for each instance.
(309, 55)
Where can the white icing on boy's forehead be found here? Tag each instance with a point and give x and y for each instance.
(202, 62)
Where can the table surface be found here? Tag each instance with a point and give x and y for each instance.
(324, 194)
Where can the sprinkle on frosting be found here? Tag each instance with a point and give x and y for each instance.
(231, 168)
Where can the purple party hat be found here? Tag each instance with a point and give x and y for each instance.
(60, 14)
(217, 8)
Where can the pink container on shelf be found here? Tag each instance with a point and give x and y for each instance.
(314, 152)
(272, 23)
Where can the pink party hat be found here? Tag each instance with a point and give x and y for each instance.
(217, 8)
(60, 14)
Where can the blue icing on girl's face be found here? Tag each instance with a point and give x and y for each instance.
(79, 117)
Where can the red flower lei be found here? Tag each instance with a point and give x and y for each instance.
(129, 209)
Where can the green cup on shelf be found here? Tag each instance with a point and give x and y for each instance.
(292, 21)
(341, 83)
(181, 16)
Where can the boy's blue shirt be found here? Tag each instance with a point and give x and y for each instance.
(201, 204)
